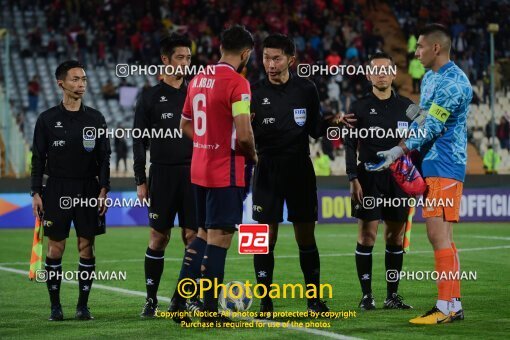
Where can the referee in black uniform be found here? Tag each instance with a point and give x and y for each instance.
(384, 109)
(169, 184)
(78, 166)
(286, 111)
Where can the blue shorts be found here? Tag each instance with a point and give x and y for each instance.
(219, 208)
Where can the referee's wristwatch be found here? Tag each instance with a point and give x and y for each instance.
(32, 193)
(352, 177)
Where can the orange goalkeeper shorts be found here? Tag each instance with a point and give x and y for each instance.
(442, 198)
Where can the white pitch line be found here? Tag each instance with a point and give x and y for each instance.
(166, 299)
(491, 237)
(276, 257)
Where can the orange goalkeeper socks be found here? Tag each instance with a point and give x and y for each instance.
(445, 267)
(456, 269)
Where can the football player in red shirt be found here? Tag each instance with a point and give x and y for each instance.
(216, 115)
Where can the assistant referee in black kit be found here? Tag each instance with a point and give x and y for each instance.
(381, 108)
(169, 185)
(286, 111)
(78, 166)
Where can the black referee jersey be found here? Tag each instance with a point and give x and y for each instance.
(160, 108)
(61, 151)
(285, 115)
(372, 112)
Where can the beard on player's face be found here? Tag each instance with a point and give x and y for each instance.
(244, 61)
(242, 66)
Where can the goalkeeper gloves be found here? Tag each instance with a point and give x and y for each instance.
(387, 157)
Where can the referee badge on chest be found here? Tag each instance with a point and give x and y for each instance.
(300, 116)
(89, 142)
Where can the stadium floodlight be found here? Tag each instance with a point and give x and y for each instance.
(492, 29)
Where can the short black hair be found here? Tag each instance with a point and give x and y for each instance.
(61, 71)
(169, 43)
(381, 55)
(236, 39)
(435, 29)
(281, 42)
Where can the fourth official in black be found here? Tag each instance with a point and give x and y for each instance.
(169, 184)
(383, 109)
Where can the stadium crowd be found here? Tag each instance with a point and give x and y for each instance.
(102, 33)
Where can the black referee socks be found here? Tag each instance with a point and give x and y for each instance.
(364, 267)
(193, 255)
(310, 264)
(264, 268)
(54, 266)
(85, 268)
(154, 263)
(214, 267)
(393, 260)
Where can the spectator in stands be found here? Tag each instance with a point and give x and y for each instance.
(146, 86)
(82, 46)
(34, 88)
(120, 148)
(333, 58)
(411, 46)
(334, 95)
(486, 88)
(321, 165)
(20, 120)
(35, 39)
(100, 52)
(503, 133)
(28, 162)
(109, 91)
(416, 70)
(351, 53)
(491, 161)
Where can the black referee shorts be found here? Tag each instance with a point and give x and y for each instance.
(59, 212)
(379, 184)
(171, 194)
(282, 179)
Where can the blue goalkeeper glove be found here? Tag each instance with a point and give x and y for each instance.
(387, 157)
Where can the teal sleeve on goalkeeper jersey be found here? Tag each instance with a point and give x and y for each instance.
(446, 95)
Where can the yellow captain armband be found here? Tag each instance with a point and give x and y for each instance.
(439, 112)
(241, 107)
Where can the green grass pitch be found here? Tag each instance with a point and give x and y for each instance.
(485, 248)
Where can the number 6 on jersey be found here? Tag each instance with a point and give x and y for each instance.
(199, 117)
